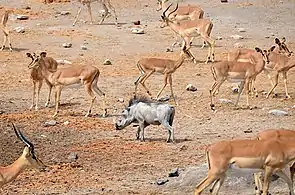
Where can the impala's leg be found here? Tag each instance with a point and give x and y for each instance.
(276, 77)
(285, 82)
(111, 7)
(92, 97)
(38, 93)
(57, 98)
(215, 87)
(6, 34)
(186, 42)
(49, 93)
(211, 49)
(240, 91)
(258, 184)
(34, 94)
(270, 79)
(171, 89)
(210, 178)
(77, 16)
(106, 11)
(9, 42)
(285, 177)
(175, 40)
(89, 11)
(268, 172)
(100, 93)
(218, 184)
(165, 84)
(143, 79)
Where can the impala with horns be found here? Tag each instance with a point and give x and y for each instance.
(184, 12)
(271, 156)
(235, 71)
(250, 55)
(3, 26)
(86, 75)
(190, 29)
(26, 160)
(108, 9)
(280, 63)
(146, 112)
(148, 66)
(275, 134)
(37, 78)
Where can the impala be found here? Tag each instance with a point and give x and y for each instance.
(107, 7)
(27, 159)
(268, 155)
(4, 19)
(148, 66)
(86, 75)
(190, 29)
(236, 71)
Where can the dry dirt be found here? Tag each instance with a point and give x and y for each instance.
(110, 161)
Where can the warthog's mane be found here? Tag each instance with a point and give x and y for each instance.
(136, 100)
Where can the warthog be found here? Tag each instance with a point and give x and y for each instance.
(145, 112)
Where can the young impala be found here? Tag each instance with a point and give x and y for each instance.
(27, 159)
(4, 19)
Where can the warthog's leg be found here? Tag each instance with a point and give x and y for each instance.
(141, 128)
(138, 133)
(170, 131)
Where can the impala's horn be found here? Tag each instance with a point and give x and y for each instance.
(22, 137)
(173, 10)
(164, 13)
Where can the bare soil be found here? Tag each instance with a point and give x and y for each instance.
(110, 161)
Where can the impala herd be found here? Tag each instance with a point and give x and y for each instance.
(270, 152)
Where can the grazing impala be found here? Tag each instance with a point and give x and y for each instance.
(236, 71)
(27, 159)
(148, 66)
(268, 155)
(107, 7)
(4, 19)
(86, 75)
(279, 134)
(191, 29)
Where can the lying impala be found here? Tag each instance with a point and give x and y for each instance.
(27, 159)
(188, 30)
(275, 134)
(268, 155)
(37, 78)
(4, 19)
(236, 71)
(249, 55)
(86, 75)
(148, 66)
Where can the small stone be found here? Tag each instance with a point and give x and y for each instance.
(237, 37)
(272, 34)
(278, 112)
(293, 107)
(67, 45)
(190, 87)
(183, 148)
(22, 17)
(239, 45)
(136, 22)
(66, 122)
(224, 1)
(83, 47)
(107, 62)
(161, 181)
(73, 156)
(248, 131)
(64, 13)
(168, 49)
(2, 112)
(174, 173)
(121, 100)
(225, 101)
(137, 31)
(50, 123)
(20, 29)
(219, 38)
(241, 30)
(267, 37)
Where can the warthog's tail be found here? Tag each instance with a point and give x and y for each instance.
(171, 118)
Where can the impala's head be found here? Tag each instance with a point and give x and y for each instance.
(29, 154)
(282, 47)
(165, 18)
(36, 59)
(264, 54)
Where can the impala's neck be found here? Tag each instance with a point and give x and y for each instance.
(289, 151)
(180, 61)
(277, 58)
(10, 172)
(45, 72)
(173, 26)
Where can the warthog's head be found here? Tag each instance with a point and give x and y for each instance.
(125, 119)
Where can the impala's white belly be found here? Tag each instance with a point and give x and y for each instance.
(254, 164)
(236, 76)
(69, 80)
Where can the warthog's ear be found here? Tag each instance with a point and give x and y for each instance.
(272, 48)
(43, 54)
(277, 41)
(258, 49)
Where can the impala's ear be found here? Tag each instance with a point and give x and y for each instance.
(43, 54)
(258, 49)
(29, 55)
(277, 41)
(272, 48)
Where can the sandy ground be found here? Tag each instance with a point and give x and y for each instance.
(110, 161)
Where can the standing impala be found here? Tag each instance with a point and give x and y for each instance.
(268, 155)
(191, 29)
(107, 7)
(86, 75)
(4, 19)
(27, 159)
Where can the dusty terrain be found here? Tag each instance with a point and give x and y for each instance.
(110, 161)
